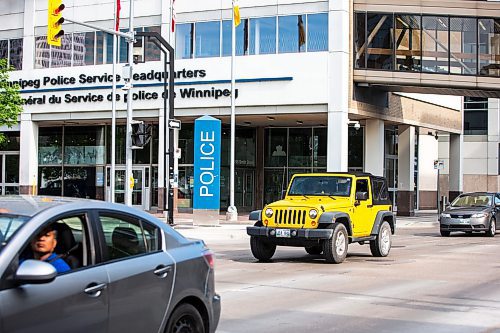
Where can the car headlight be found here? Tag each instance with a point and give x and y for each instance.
(479, 215)
(269, 212)
(445, 215)
(313, 213)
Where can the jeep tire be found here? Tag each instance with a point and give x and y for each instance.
(335, 248)
(262, 250)
(381, 245)
(314, 250)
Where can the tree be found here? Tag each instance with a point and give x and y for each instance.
(11, 103)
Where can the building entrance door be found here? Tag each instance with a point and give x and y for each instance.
(9, 173)
(244, 189)
(140, 191)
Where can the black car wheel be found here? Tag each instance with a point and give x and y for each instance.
(317, 249)
(335, 248)
(492, 229)
(261, 250)
(185, 319)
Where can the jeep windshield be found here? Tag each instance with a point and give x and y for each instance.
(321, 185)
(9, 224)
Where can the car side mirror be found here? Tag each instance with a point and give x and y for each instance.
(35, 272)
(361, 195)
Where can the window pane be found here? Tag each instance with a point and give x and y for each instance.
(84, 145)
(263, 35)
(317, 32)
(12, 168)
(291, 34)
(379, 54)
(207, 39)
(319, 147)
(83, 48)
(241, 38)
(489, 47)
(184, 41)
(276, 147)
(79, 182)
(408, 39)
(275, 182)
(50, 146)
(463, 45)
(153, 53)
(475, 116)
(11, 143)
(61, 56)
(16, 53)
(359, 41)
(122, 48)
(4, 49)
(355, 148)
(186, 144)
(42, 52)
(300, 147)
(435, 44)
(49, 181)
(100, 47)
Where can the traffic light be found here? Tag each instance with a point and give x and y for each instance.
(55, 21)
(141, 134)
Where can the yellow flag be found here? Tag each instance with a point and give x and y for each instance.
(237, 17)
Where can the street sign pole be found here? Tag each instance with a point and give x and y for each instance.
(128, 154)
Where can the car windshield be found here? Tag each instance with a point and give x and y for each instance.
(9, 224)
(321, 185)
(472, 200)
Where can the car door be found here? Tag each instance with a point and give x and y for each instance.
(362, 209)
(141, 273)
(496, 209)
(76, 301)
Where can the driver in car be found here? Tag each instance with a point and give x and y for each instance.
(43, 246)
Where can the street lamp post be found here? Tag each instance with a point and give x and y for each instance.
(168, 52)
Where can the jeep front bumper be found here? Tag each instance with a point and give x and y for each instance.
(309, 234)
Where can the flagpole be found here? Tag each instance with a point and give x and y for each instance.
(113, 114)
(232, 212)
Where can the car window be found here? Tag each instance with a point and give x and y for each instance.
(497, 199)
(127, 236)
(362, 186)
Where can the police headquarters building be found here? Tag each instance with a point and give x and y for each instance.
(301, 102)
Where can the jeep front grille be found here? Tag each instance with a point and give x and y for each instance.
(290, 216)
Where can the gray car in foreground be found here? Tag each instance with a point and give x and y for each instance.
(472, 212)
(130, 272)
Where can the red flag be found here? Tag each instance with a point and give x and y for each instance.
(173, 16)
(118, 8)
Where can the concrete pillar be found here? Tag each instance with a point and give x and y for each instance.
(28, 166)
(456, 165)
(493, 144)
(427, 175)
(406, 169)
(29, 35)
(338, 85)
(374, 147)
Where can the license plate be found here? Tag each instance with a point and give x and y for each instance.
(285, 233)
(463, 221)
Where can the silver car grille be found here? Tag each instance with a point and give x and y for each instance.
(290, 216)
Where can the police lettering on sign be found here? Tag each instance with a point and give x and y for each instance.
(207, 133)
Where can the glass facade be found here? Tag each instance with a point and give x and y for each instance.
(9, 163)
(260, 35)
(428, 44)
(475, 116)
(12, 50)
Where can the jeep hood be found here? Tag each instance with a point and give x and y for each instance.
(320, 203)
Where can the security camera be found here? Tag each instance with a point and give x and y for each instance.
(357, 126)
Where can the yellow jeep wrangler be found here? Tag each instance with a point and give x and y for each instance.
(324, 212)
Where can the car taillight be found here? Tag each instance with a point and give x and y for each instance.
(209, 258)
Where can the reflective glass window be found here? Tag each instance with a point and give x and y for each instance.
(50, 181)
(317, 32)
(207, 39)
(83, 48)
(276, 147)
(11, 142)
(355, 148)
(489, 46)
(360, 40)
(60, 56)
(16, 53)
(100, 47)
(319, 147)
(4, 49)
(12, 168)
(263, 35)
(79, 182)
(300, 147)
(408, 38)
(84, 145)
(122, 48)
(152, 52)
(186, 144)
(275, 184)
(50, 146)
(463, 45)
(475, 116)
(291, 34)
(42, 52)
(435, 44)
(184, 40)
(241, 38)
(379, 53)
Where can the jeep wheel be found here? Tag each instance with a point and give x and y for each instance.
(381, 246)
(335, 248)
(261, 250)
(317, 249)
(492, 230)
(445, 233)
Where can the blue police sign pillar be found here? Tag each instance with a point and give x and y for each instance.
(207, 149)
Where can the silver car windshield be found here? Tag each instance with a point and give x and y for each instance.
(474, 200)
(321, 185)
(9, 224)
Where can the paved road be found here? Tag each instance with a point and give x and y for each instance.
(427, 284)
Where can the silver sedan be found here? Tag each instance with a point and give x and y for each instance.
(122, 270)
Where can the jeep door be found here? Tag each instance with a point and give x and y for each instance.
(362, 217)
